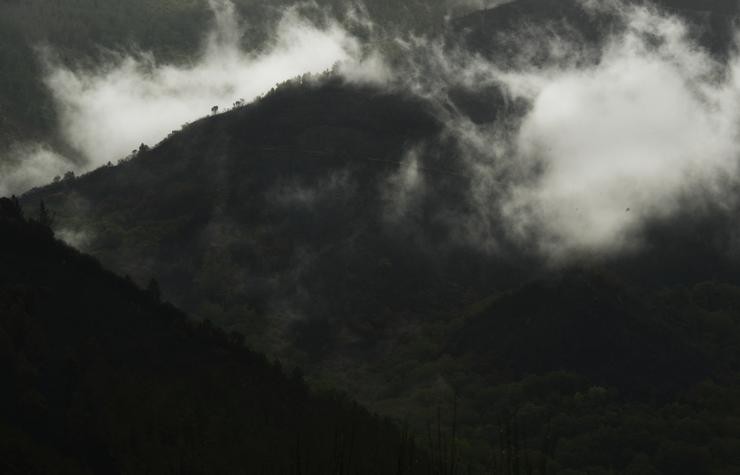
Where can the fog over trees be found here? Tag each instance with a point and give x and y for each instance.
(441, 237)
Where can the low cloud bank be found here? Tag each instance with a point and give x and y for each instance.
(621, 141)
(27, 165)
(590, 143)
(108, 112)
(602, 144)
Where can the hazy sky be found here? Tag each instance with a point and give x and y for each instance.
(107, 113)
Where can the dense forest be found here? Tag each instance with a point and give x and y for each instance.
(270, 223)
(334, 226)
(100, 376)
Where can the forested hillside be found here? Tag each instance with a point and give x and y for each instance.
(102, 377)
(274, 220)
(531, 285)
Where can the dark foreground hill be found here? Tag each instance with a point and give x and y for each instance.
(101, 377)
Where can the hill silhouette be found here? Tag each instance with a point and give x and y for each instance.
(100, 376)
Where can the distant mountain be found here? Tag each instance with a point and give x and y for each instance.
(490, 31)
(279, 220)
(587, 323)
(279, 207)
(102, 377)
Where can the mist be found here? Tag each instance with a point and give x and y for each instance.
(107, 112)
(27, 165)
(604, 144)
(609, 136)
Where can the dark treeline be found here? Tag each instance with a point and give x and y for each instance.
(101, 377)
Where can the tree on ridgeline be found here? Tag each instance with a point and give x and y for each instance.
(153, 290)
(45, 217)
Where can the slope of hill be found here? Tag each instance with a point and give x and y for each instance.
(101, 377)
(89, 33)
(281, 220)
(331, 224)
(264, 192)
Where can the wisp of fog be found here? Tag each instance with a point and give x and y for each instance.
(620, 141)
(27, 165)
(603, 146)
(107, 112)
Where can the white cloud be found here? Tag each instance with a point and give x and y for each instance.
(621, 140)
(79, 239)
(604, 143)
(608, 139)
(403, 190)
(106, 113)
(28, 165)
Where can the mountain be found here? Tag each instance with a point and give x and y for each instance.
(587, 323)
(500, 32)
(280, 208)
(279, 220)
(102, 377)
(90, 33)
(333, 225)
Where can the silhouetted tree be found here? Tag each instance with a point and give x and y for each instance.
(17, 206)
(45, 217)
(9, 207)
(153, 290)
